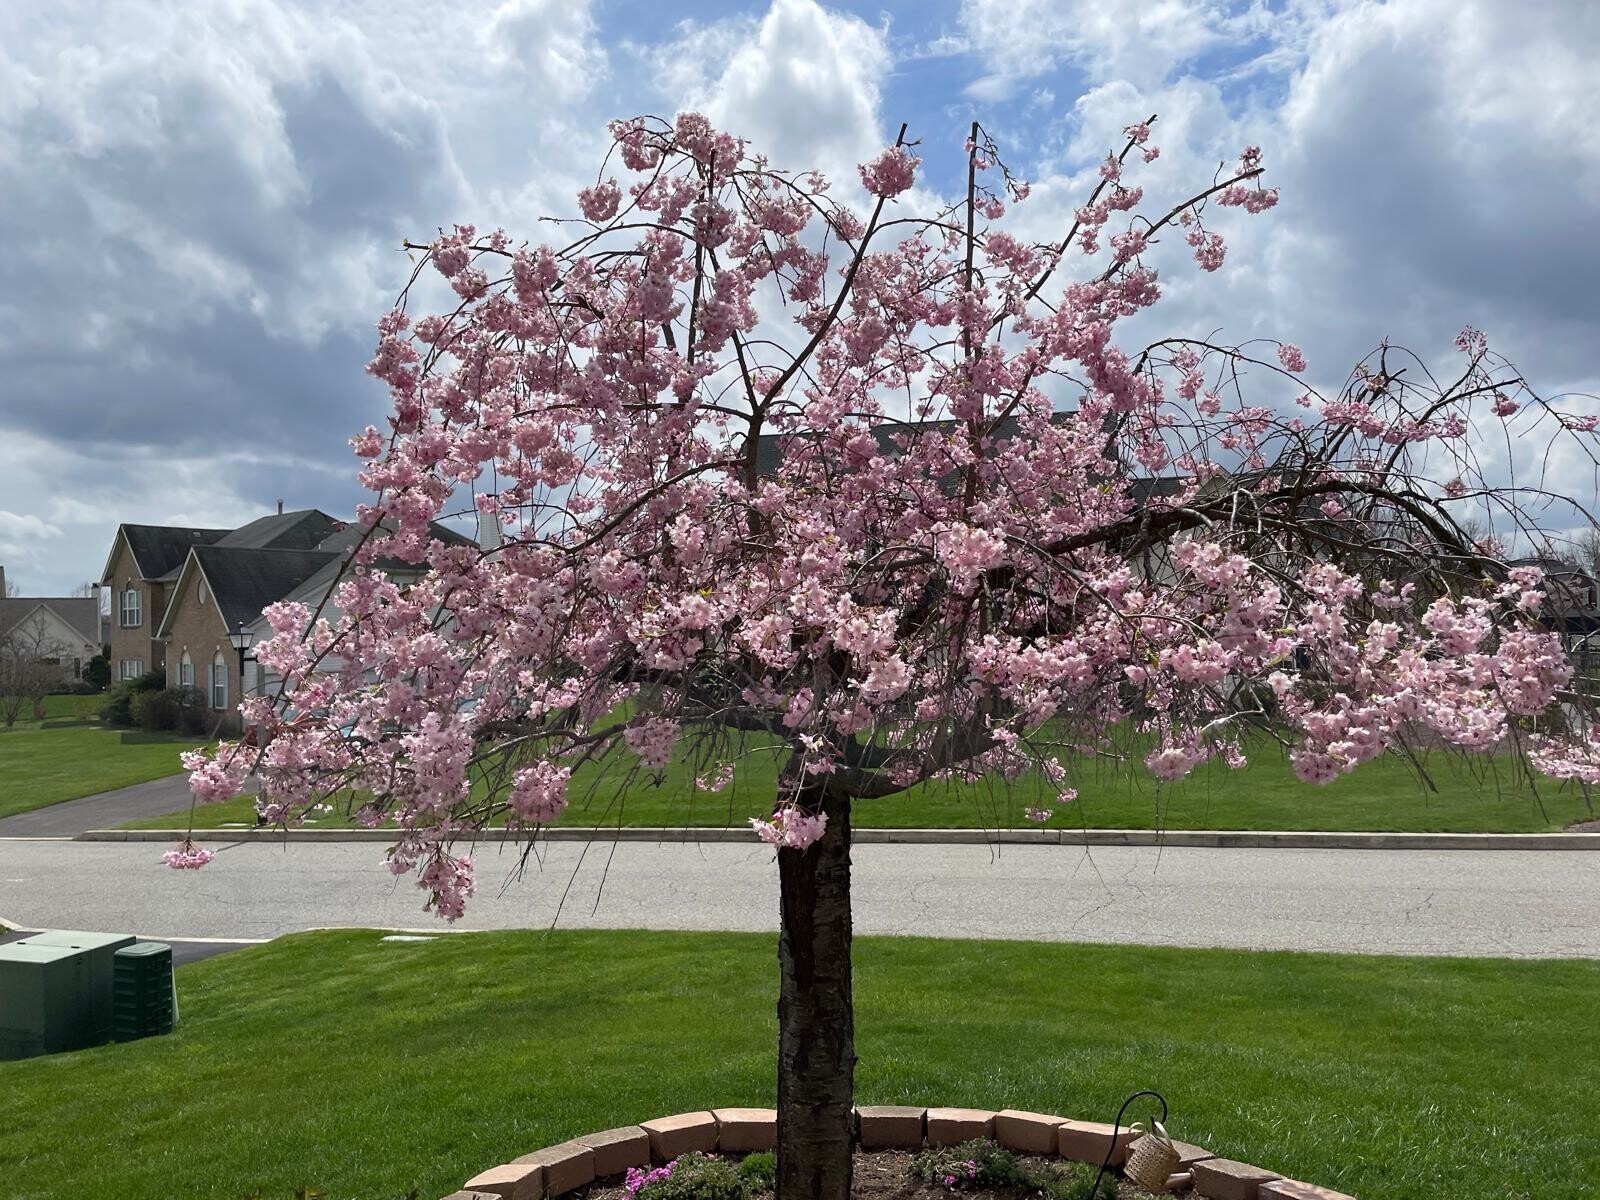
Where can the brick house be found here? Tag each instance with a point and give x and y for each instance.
(178, 593)
(139, 573)
(65, 629)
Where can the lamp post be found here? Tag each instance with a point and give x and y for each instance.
(242, 639)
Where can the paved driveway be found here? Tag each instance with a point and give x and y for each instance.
(1516, 903)
(103, 811)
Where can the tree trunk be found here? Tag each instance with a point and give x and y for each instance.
(816, 1017)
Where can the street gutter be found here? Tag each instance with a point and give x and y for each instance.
(1202, 838)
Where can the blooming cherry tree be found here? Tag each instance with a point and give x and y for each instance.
(875, 488)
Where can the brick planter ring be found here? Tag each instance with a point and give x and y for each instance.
(557, 1169)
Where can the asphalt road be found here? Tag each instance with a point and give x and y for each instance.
(1512, 903)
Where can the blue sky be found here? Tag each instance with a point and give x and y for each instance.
(204, 198)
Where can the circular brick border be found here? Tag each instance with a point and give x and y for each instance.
(557, 1169)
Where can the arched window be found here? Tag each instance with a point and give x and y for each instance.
(219, 682)
(130, 609)
(186, 671)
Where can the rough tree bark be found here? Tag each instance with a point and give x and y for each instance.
(816, 1021)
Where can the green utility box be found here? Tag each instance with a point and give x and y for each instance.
(47, 1000)
(143, 1003)
(101, 949)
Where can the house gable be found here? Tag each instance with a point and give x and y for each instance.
(155, 550)
(42, 615)
(186, 602)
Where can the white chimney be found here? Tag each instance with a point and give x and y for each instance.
(489, 531)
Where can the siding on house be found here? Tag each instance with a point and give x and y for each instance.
(132, 643)
(63, 628)
(194, 627)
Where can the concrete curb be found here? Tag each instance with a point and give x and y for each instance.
(1173, 838)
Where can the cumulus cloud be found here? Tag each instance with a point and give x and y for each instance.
(801, 82)
(1141, 41)
(204, 208)
(551, 39)
(1442, 167)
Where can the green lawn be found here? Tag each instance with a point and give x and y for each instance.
(70, 754)
(332, 1060)
(1462, 796)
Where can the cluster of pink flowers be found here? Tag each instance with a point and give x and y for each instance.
(219, 776)
(449, 883)
(968, 1174)
(891, 173)
(652, 739)
(188, 856)
(637, 1179)
(539, 793)
(790, 828)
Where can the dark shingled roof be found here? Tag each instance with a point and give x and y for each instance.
(162, 548)
(1156, 487)
(1141, 489)
(82, 613)
(302, 530)
(245, 580)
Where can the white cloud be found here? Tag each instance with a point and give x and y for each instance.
(802, 84)
(553, 40)
(1141, 41)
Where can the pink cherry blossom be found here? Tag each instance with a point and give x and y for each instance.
(187, 857)
(891, 173)
(790, 828)
(599, 203)
(539, 793)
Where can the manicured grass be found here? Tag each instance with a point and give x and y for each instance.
(335, 1061)
(70, 754)
(1459, 796)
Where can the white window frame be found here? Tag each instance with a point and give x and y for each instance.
(219, 682)
(186, 671)
(130, 668)
(130, 608)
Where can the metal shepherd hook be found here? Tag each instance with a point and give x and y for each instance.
(1116, 1125)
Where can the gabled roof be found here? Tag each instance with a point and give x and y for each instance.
(243, 581)
(244, 577)
(158, 549)
(301, 530)
(80, 613)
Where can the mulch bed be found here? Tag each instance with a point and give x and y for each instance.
(886, 1175)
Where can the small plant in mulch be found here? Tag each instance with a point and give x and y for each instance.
(701, 1177)
(986, 1166)
(759, 1171)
